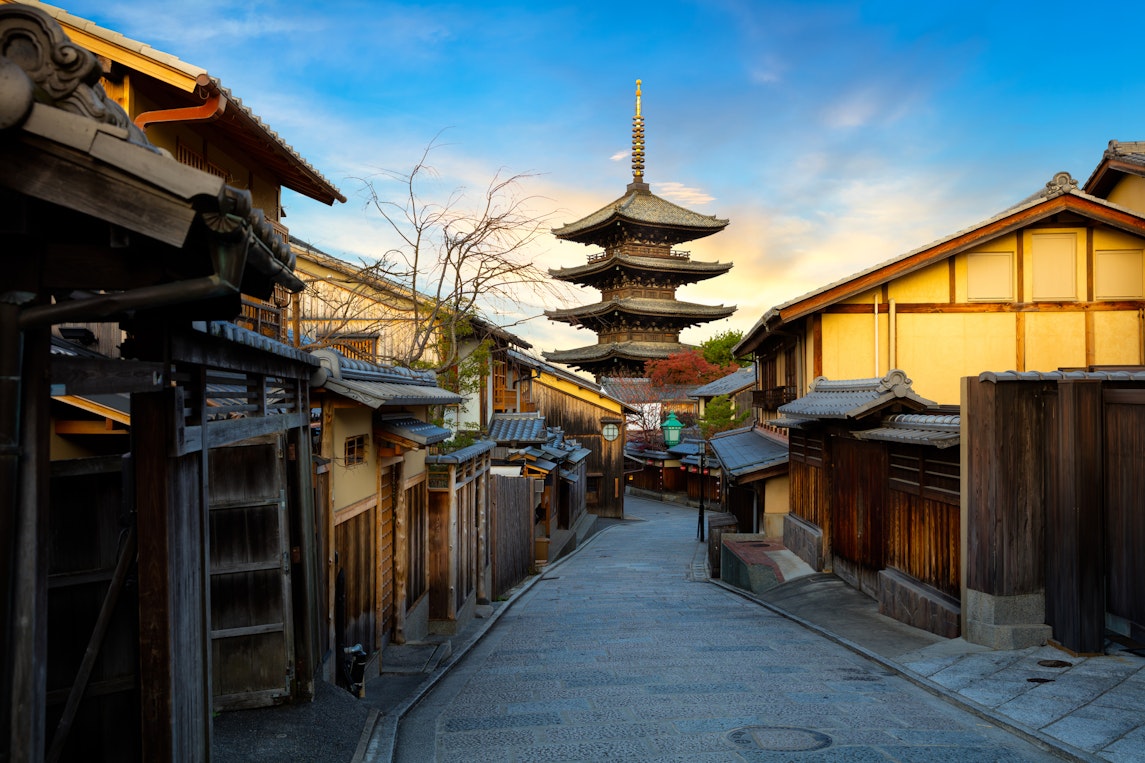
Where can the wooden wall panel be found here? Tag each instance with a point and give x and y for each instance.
(1124, 424)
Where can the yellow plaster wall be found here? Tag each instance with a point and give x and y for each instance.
(1117, 338)
(1055, 340)
(775, 506)
(936, 350)
(414, 465)
(849, 346)
(352, 484)
(1129, 192)
(1007, 244)
(931, 284)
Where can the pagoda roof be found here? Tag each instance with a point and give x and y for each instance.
(600, 353)
(691, 269)
(639, 206)
(667, 308)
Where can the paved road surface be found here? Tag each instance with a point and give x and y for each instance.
(620, 653)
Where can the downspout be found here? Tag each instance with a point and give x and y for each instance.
(213, 105)
(892, 348)
(877, 336)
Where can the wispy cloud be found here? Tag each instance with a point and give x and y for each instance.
(682, 194)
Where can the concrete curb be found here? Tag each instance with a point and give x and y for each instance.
(1035, 737)
(383, 732)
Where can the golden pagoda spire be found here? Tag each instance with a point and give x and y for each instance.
(638, 142)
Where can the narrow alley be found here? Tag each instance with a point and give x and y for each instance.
(617, 653)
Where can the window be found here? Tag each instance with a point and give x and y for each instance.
(989, 277)
(1054, 259)
(1118, 274)
(354, 451)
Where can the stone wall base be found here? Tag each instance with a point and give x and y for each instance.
(1006, 622)
(804, 539)
(913, 602)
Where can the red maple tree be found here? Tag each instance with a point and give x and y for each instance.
(687, 367)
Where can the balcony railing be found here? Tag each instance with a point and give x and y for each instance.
(770, 399)
(262, 317)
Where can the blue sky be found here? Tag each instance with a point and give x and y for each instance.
(832, 135)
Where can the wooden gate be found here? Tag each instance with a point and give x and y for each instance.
(858, 506)
(252, 643)
(1124, 516)
(93, 613)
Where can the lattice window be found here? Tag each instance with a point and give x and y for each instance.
(418, 506)
(354, 450)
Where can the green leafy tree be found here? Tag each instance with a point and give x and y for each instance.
(718, 350)
(720, 416)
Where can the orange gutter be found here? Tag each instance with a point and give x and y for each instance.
(214, 104)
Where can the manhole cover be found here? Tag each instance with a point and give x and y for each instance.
(778, 738)
(1055, 664)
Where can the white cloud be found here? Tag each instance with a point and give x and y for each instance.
(682, 194)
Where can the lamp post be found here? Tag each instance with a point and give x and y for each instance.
(703, 488)
(671, 429)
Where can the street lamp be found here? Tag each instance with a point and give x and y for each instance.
(671, 429)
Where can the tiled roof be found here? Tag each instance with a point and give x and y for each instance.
(314, 184)
(854, 398)
(644, 208)
(941, 431)
(506, 428)
(743, 452)
(697, 270)
(689, 447)
(628, 350)
(255, 340)
(736, 381)
(377, 385)
(409, 428)
(1115, 376)
(641, 306)
(462, 455)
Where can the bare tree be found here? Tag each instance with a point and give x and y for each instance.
(453, 259)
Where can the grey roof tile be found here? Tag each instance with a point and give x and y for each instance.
(506, 428)
(742, 452)
(854, 398)
(734, 382)
(938, 430)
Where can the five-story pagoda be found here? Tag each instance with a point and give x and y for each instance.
(638, 317)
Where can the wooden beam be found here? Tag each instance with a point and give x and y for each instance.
(107, 426)
(93, 376)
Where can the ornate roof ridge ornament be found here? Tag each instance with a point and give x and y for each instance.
(638, 145)
(64, 75)
(1062, 182)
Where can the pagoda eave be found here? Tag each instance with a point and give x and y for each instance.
(676, 270)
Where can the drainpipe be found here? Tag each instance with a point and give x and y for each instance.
(213, 105)
(892, 348)
(876, 336)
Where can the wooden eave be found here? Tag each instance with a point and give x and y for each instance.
(1103, 213)
(1106, 175)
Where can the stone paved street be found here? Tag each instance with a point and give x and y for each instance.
(619, 653)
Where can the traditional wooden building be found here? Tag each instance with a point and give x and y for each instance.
(1053, 282)
(638, 317)
(753, 461)
(371, 439)
(208, 513)
(874, 495)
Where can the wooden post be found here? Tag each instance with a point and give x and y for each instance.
(401, 553)
(173, 635)
(26, 664)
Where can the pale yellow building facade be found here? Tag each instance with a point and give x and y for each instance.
(1057, 281)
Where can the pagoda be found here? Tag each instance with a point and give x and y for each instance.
(638, 317)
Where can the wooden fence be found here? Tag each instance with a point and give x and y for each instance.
(512, 532)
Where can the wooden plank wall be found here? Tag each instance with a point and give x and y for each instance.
(1006, 486)
(922, 519)
(1124, 420)
(512, 532)
(385, 560)
(356, 546)
(1075, 594)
